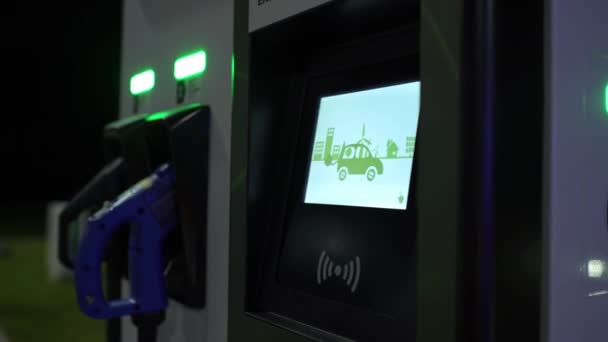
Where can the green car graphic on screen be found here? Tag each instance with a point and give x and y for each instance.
(356, 159)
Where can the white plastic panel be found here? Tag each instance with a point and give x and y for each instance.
(155, 34)
(577, 143)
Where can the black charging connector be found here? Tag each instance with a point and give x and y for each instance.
(147, 325)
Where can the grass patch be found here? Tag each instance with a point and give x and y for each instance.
(32, 308)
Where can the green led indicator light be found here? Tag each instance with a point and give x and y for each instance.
(191, 65)
(142, 82)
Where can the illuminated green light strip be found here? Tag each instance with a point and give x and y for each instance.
(142, 82)
(606, 98)
(164, 114)
(157, 116)
(191, 65)
(232, 77)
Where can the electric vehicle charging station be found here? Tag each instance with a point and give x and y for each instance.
(487, 207)
(433, 262)
(172, 59)
(169, 40)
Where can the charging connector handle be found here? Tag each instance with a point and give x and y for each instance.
(94, 193)
(149, 208)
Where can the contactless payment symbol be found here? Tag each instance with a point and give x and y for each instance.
(350, 272)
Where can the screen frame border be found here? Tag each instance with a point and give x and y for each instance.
(274, 299)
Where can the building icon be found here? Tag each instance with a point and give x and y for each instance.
(329, 142)
(410, 143)
(317, 155)
(335, 153)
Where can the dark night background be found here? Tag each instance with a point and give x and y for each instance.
(63, 65)
(61, 69)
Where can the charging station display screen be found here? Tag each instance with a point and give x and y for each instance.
(363, 148)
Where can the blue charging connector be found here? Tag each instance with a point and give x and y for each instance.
(149, 209)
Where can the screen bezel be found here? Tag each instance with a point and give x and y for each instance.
(386, 63)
